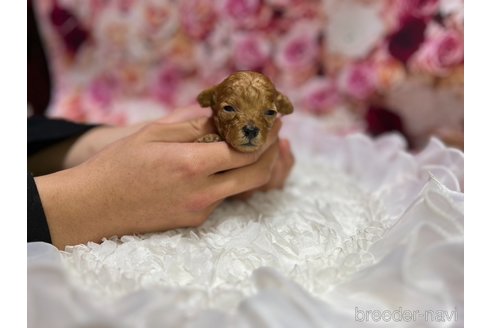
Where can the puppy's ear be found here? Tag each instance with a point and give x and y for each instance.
(283, 104)
(206, 98)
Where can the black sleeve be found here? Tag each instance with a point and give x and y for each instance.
(42, 133)
(37, 226)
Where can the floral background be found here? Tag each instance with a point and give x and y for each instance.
(373, 65)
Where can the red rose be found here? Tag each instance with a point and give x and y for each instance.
(380, 120)
(407, 40)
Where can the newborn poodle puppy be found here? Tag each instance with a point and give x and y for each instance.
(244, 108)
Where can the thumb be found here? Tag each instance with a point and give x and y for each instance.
(187, 131)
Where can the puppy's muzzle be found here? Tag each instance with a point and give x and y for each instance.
(250, 131)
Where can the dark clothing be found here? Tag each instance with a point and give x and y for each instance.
(43, 133)
(37, 227)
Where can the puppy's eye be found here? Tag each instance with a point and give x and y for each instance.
(270, 112)
(229, 109)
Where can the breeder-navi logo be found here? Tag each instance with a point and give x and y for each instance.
(405, 315)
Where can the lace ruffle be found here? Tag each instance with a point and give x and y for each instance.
(359, 223)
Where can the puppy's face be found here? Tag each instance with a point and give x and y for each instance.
(245, 106)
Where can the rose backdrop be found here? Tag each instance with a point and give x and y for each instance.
(357, 61)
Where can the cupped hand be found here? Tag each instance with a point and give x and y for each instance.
(282, 167)
(95, 140)
(281, 171)
(99, 137)
(153, 180)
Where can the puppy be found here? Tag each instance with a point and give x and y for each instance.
(244, 108)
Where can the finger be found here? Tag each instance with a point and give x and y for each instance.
(282, 168)
(287, 156)
(277, 178)
(187, 131)
(202, 216)
(236, 181)
(275, 182)
(280, 172)
(219, 157)
(186, 114)
(288, 161)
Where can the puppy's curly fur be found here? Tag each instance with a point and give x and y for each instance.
(244, 107)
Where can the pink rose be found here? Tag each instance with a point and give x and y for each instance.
(166, 84)
(244, 13)
(440, 52)
(198, 17)
(69, 106)
(285, 14)
(358, 81)
(125, 5)
(299, 49)
(319, 96)
(416, 8)
(250, 51)
(293, 7)
(280, 3)
(156, 16)
(102, 90)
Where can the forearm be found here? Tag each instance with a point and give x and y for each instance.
(76, 150)
(37, 227)
(50, 159)
(148, 182)
(54, 145)
(49, 141)
(69, 199)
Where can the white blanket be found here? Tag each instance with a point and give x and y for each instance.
(361, 227)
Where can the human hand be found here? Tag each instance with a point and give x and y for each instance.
(153, 180)
(96, 139)
(281, 171)
(100, 137)
(282, 167)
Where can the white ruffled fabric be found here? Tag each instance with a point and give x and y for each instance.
(361, 225)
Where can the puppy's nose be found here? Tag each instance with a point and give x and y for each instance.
(250, 131)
